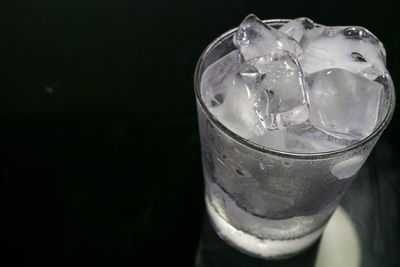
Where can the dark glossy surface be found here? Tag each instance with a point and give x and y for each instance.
(99, 148)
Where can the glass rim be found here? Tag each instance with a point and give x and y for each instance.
(378, 130)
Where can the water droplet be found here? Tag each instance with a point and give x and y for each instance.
(347, 168)
(221, 160)
(355, 33)
(357, 57)
(383, 79)
(219, 98)
(242, 172)
(308, 24)
(262, 166)
(239, 172)
(271, 163)
(214, 103)
(287, 163)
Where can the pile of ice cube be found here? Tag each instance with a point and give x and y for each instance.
(300, 88)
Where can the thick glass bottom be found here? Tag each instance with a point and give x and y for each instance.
(255, 246)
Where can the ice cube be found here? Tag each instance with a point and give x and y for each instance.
(255, 39)
(236, 111)
(228, 98)
(279, 93)
(352, 48)
(296, 28)
(216, 77)
(344, 104)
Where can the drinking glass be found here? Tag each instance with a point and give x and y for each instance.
(265, 202)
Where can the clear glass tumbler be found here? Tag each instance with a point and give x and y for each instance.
(269, 203)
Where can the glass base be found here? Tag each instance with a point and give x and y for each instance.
(254, 246)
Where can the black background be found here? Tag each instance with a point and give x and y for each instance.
(100, 161)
